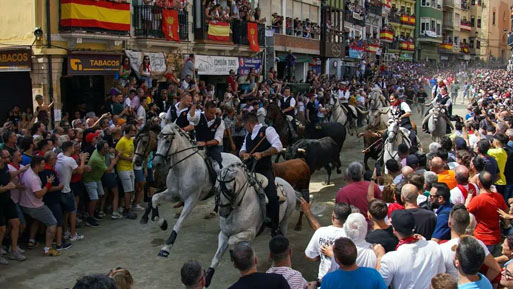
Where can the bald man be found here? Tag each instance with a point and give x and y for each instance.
(444, 176)
(425, 220)
(464, 191)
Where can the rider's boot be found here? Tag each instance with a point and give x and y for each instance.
(261, 200)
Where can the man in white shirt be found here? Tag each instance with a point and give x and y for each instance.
(209, 132)
(415, 261)
(464, 190)
(326, 236)
(459, 220)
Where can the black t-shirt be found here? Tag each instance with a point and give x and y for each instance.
(425, 222)
(261, 281)
(421, 97)
(508, 169)
(50, 197)
(384, 237)
(310, 106)
(5, 178)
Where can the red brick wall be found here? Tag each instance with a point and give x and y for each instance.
(296, 42)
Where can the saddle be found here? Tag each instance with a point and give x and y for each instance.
(264, 182)
(353, 112)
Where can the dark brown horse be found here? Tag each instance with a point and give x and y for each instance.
(277, 119)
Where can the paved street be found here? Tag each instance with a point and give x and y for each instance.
(128, 244)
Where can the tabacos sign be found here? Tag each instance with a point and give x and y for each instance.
(93, 64)
(15, 60)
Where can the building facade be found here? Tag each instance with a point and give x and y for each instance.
(428, 32)
(495, 22)
(401, 21)
(456, 32)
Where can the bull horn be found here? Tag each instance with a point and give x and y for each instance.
(361, 110)
(360, 134)
(300, 150)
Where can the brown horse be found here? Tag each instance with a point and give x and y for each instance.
(277, 119)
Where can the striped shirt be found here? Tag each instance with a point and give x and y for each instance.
(293, 277)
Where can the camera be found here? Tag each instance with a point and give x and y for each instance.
(38, 33)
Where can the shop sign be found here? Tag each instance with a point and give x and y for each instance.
(246, 63)
(15, 60)
(157, 61)
(215, 65)
(93, 64)
(354, 53)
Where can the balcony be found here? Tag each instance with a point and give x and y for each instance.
(377, 10)
(402, 20)
(446, 47)
(76, 16)
(403, 45)
(354, 18)
(240, 33)
(465, 26)
(147, 22)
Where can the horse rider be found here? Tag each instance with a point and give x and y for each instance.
(260, 144)
(209, 132)
(288, 106)
(344, 95)
(183, 113)
(401, 110)
(444, 100)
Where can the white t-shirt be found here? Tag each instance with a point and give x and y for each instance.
(448, 255)
(421, 199)
(412, 266)
(457, 195)
(64, 167)
(365, 256)
(324, 236)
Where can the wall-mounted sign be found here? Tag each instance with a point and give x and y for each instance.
(15, 60)
(215, 65)
(93, 64)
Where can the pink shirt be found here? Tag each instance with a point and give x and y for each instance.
(355, 194)
(32, 184)
(15, 194)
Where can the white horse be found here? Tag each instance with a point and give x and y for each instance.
(396, 135)
(188, 178)
(339, 114)
(436, 123)
(239, 209)
(378, 110)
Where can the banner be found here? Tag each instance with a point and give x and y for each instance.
(386, 35)
(372, 48)
(93, 64)
(253, 36)
(215, 65)
(15, 60)
(353, 53)
(357, 16)
(447, 46)
(95, 14)
(246, 63)
(219, 31)
(170, 24)
(157, 61)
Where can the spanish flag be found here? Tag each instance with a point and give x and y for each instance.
(412, 20)
(386, 35)
(95, 14)
(219, 31)
(372, 48)
(411, 46)
(403, 45)
(447, 46)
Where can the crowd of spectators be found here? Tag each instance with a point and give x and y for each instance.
(295, 26)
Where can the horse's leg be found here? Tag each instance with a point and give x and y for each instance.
(187, 209)
(222, 245)
(149, 207)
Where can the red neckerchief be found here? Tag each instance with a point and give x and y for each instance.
(396, 103)
(408, 240)
(50, 168)
(16, 166)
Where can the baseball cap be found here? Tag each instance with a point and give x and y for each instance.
(460, 143)
(403, 221)
(91, 135)
(412, 161)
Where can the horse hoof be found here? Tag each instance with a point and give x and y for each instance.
(163, 225)
(163, 254)
(339, 171)
(144, 221)
(298, 228)
(208, 276)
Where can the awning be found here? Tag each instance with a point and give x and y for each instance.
(300, 58)
(15, 60)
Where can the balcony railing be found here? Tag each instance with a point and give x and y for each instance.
(240, 32)
(377, 10)
(147, 22)
(349, 16)
(402, 19)
(299, 32)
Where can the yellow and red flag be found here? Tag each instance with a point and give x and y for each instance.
(387, 35)
(372, 48)
(253, 36)
(219, 31)
(170, 24)
(95, 14)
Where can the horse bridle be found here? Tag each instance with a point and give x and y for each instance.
(167, 156)
(231, 196)
(139, 136)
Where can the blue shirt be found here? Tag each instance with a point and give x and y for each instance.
(442, 230)
(25, 159)
(482, 283)
(361, 278)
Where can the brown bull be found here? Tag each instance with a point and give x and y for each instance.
(297, 173)
(373, 144)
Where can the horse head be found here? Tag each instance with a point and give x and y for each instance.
(145, 142)
(231, 182)
(164, 146)
(274, 115)
(393, 129)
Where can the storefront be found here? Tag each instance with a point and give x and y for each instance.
(15, 82)
(214, 70)
(87, 80)
(301, 68)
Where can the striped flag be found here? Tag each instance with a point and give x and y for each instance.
(219, 31)
(95, 14)
(386, 35)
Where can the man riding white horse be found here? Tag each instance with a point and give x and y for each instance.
(343, 99)
(401, 110)
(443, 100)
(260, 144)
(288, 106)
(209, 133)
(183, 112)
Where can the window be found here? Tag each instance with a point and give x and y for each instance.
(439, 27)
(473, 2)
(424, 25)
(424, 3)
(456, 41)
(493, 19)
(472, 21)
(471, 43)
(478, 22)
(439, 4)
(408, 11)
(478, 44)
(433, 25)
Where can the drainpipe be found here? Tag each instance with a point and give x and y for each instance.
(50, 69)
